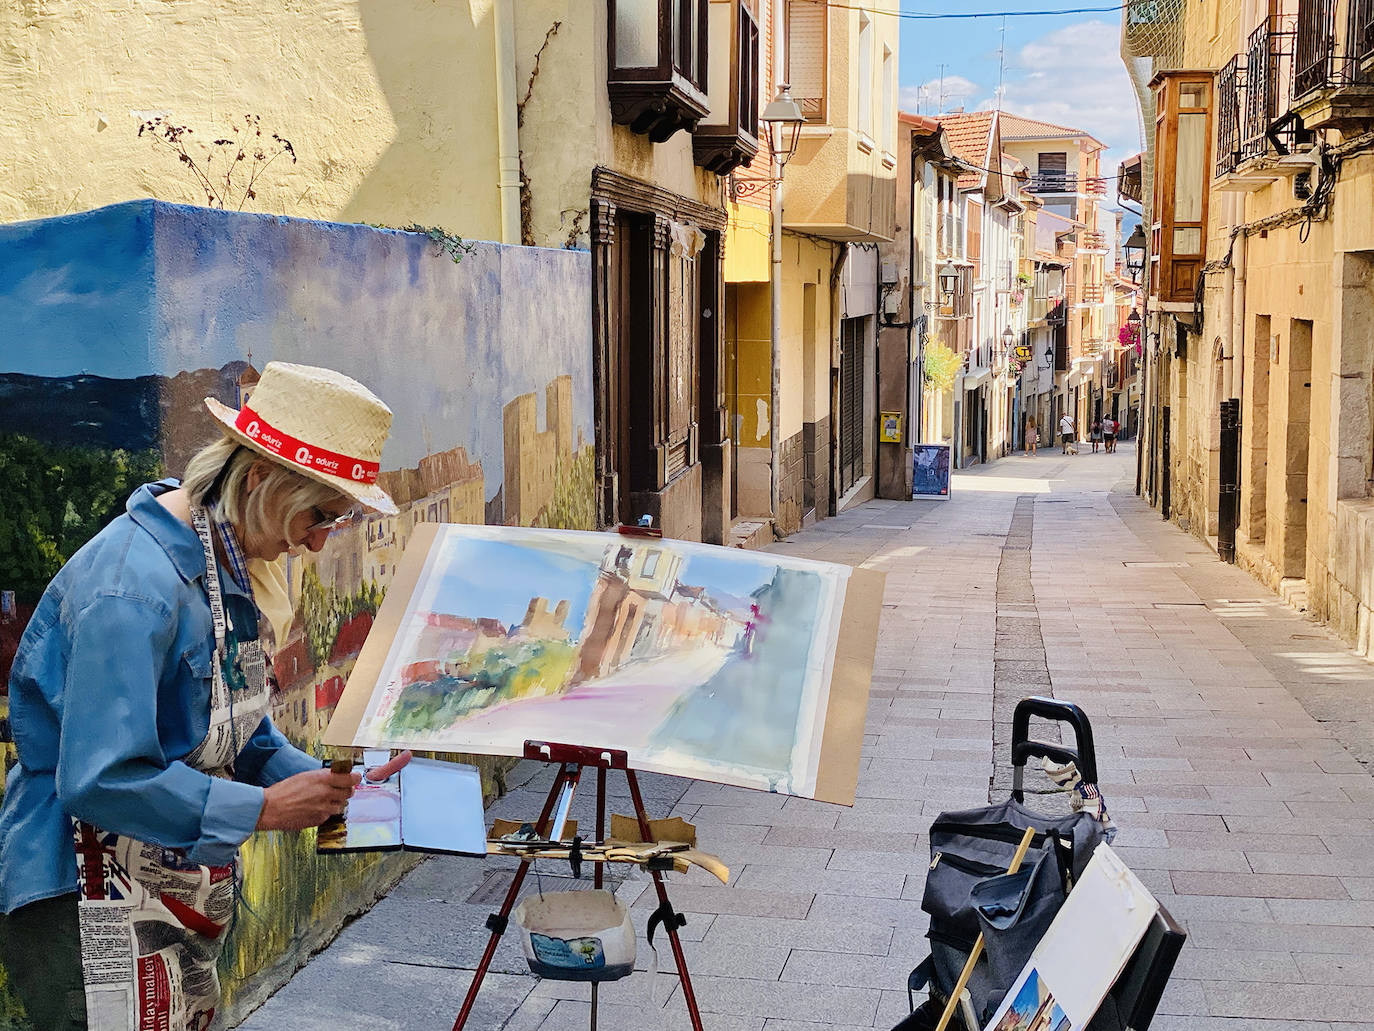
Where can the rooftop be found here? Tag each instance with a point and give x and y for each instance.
(970, 137)
(1018, 127)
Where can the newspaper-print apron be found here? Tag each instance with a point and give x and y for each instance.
(153, 922)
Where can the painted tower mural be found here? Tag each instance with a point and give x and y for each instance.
(116, 323)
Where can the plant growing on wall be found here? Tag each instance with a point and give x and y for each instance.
(941, 364)
(226, 169)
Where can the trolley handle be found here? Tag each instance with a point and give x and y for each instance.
(1084, 755)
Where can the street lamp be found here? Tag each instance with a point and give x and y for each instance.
(949, 283)
(1135, 252)
(1008, 338)
(784, 119)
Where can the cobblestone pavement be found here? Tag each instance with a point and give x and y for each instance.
(1229, 732)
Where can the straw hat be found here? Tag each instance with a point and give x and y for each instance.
(318, 423)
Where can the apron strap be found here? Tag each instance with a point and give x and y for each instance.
(201, 521)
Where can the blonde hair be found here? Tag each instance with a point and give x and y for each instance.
(278, 498)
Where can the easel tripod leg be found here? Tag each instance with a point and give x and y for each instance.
(679, 957)
(498, 921)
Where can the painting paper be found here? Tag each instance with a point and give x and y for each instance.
(698, 661)
(1083, 953)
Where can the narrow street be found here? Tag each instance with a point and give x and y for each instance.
(1231, 733)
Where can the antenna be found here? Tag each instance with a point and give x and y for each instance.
(941, 106)
(1001, 63)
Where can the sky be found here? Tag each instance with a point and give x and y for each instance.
(1064, 69)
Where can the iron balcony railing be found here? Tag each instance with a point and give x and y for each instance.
(1054, 182)
(1314, 57)
(1360, 39)
(1263, 54)
(1229, 82)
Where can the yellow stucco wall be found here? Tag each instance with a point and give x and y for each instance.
(748, 244)
(389, 104)
(1305, 506)
(376, 97)
(839, 170)
(804, 356)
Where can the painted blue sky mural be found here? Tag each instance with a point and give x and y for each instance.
(151, 288)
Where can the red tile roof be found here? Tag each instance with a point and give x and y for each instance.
(970, 139)
(1018, 127)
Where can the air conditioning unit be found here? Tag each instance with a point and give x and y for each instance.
(887, 272)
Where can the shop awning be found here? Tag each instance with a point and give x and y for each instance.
(976, 377)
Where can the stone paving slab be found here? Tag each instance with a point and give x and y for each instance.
(1233, 740)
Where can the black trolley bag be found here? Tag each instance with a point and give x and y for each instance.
(969, 892)
(970, 851)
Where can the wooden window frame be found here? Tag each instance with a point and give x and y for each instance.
(658, 100)
(1173, 274)
(731, 137)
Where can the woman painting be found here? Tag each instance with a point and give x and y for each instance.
(138, 702)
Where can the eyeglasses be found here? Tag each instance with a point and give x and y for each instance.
(325, 521)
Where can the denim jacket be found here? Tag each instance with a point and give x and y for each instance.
(110, 689)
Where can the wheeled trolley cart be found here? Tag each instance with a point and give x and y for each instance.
(985, 922)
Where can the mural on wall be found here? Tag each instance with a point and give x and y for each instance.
(119, 321)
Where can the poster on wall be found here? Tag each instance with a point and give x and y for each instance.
(737, 667)
(930, 471)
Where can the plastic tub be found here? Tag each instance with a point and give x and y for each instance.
(577, 935)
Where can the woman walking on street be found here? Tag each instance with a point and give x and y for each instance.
(1108, 434)
(1096, 434)
(139, 706)
(1066, 433)
(1032, 436)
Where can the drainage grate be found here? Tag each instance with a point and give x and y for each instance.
(1180, 605)
(883, 526)
(1155, 565)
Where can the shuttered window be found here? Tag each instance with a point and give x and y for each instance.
(806, 56)
(851, 402)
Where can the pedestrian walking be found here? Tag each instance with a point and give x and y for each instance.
(1109, 428)
(1066, 436)
(139, 707)
(1095, 434)
(1032, 436)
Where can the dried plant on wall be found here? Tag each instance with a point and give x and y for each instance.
(226, 169)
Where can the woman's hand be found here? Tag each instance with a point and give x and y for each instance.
(307, 799)
(380, 773)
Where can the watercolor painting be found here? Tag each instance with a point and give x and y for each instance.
(699, 661)
(1032, 1008)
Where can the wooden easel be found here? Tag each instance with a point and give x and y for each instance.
(573, 759)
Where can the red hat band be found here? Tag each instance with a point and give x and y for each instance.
(290, 449)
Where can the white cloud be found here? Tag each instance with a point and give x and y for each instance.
(925, 99)
(1074, 76)
(1071, 76)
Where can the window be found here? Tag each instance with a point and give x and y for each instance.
(651, 563)
(658, 65)
(975, 233)
(807, 49)
(865, 74)
(729, 136)
(1182, 170)
(1052, 173)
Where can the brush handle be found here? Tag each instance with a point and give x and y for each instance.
(967, 972)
